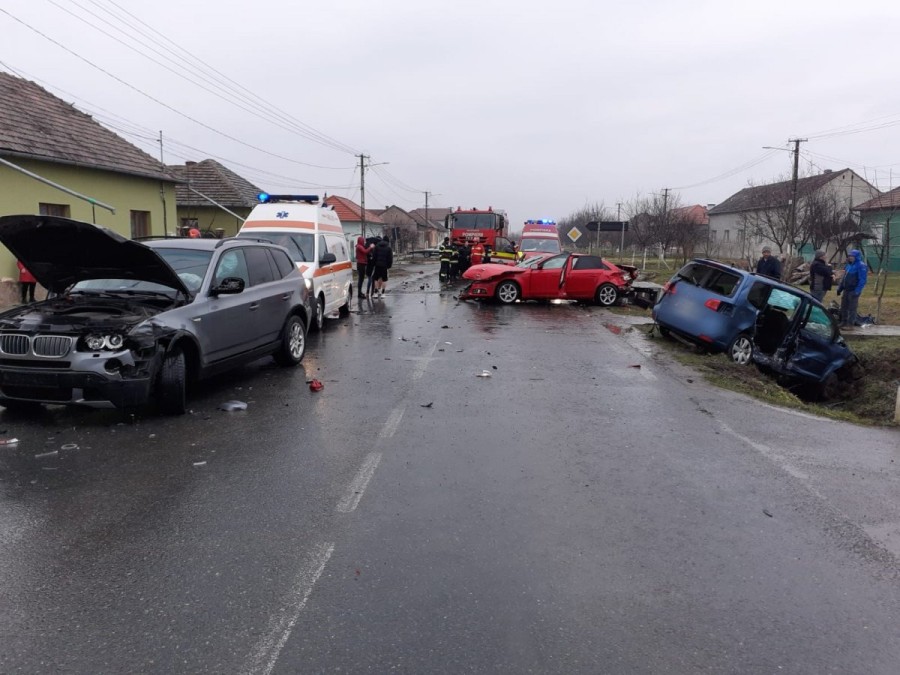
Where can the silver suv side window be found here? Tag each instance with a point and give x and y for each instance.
(232, 264)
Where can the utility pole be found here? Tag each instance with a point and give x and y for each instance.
(792, 214)
(162, 187)
(665, 221)
(619, 218)
(362, 194)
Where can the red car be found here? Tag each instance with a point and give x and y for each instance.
(561, 276)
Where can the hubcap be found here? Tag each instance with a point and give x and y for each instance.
(607, 296)
(296, 340)
(508, 293)
(741, 351)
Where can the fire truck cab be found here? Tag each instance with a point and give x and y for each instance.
(482, 226)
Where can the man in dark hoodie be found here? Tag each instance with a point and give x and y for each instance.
(821, 276)
(362, 260)
(383, 259)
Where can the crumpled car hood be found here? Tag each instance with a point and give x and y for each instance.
(491, 270)
(60, 252)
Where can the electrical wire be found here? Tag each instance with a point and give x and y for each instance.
(728, 174)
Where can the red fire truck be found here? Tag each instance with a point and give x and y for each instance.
(482, 226)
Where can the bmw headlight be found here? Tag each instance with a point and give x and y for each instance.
(109, 342)
(308, 284)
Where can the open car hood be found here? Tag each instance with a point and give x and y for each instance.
(60, 252)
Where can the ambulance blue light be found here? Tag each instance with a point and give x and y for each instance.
(263, 197)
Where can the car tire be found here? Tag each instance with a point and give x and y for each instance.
(665, 332)
(171, 391)
(606, 295)
(318, 322)
(507, 292)
(293, 343)
(23, 407)
(741, 350)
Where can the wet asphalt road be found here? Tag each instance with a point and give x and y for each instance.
(571, 513)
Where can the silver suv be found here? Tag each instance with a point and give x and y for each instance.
(131, 322)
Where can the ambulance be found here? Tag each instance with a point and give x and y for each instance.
(313, 235)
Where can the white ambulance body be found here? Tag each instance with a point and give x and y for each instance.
(313, 235)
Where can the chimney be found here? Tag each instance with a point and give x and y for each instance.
(827, 171)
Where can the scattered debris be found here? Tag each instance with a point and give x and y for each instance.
(635, 365)
(9, 441)
(45, 455)
(232, 406)
(200, 463)
(484, 373)
(67, 447)
(445, 326)
(494, 367)
(768, 514)
(316, 385)
(426, 405)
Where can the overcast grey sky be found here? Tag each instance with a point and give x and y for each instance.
(533, 107)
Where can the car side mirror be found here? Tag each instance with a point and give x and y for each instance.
(228, 286)
(327, 259)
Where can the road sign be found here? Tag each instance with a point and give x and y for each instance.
(608, 226)
(574, 234)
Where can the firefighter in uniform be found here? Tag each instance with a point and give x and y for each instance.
(454, 263)
(444, 250)
(477, 253)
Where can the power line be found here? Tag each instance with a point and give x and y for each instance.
(265, 109)
(731, 172)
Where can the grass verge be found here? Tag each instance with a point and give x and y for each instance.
(870, 403)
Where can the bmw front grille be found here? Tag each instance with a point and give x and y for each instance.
(45, 346)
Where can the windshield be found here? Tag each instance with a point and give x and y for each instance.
(475, 221)
(543, 245)
(189, 264)
(300, 245)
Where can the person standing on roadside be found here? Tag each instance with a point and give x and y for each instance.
(768, 265)
(383, 259)
(854, 280)
(362, 261)
(821, 276)
(444, 273)
(371, 243)
(27, 283)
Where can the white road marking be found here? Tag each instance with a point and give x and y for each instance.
(393, 421)
(358, 486)
(419, 370)
(264, 657)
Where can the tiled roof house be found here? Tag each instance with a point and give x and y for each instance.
(88, 165)
(212, 197)
(727, 219)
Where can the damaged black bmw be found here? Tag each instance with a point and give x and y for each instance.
(128, 323)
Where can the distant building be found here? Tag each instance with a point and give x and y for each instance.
(735, 225)
(881, 217)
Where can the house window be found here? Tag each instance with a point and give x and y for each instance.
(59, 210)
(726, 235)
(712, 234)
(140, 224)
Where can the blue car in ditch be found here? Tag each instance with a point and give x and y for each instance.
(757, 319)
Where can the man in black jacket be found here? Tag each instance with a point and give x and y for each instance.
(769, 264)
(821, 276)
(383, 259)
